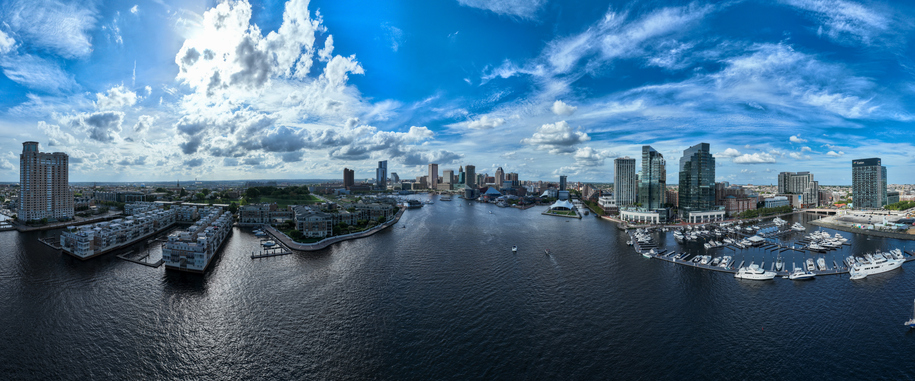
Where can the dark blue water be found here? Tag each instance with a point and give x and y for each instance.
(445, 298)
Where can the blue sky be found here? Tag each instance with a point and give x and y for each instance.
(163, 90)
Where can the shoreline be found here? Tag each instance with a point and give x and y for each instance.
(323, 244)
(876, 233)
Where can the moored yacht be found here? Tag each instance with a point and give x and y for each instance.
(875, 264)
(800, 274)
(754, 272)
(810, 265)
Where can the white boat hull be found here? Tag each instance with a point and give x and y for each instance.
(862, 271)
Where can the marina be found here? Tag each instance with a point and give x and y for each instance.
(759, 243)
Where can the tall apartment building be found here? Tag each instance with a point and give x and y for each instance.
(44, 190)
(868, 183)
(625, 185)
(470, 176)
(461, 178)
(562, 182)
(653, 180)
(500, 177)
(448, 176)
(349, 178)
(801, 183)
(381, 175)
(432, 177)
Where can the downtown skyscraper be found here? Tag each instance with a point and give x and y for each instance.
(697, 178)
(653, 181)
(432, 177)
(470, 176)
(381, 175)
(868, 183)
(44, 189)
(625, 182)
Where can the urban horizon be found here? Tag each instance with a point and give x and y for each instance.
(133, 92)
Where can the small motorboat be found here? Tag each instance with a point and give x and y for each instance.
(514, 249)
(547, 251)
(911, 322)
(269, 244)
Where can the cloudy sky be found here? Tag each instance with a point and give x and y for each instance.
(164, 90)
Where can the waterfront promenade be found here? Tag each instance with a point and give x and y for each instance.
(303, 247)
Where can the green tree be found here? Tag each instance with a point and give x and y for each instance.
(183, 192)
(252, 193)
(205, 191)
(233, 207)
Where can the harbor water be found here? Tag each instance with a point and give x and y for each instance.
(441, 296)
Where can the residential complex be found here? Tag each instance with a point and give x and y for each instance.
(193, 249)
(44, 190)
(800, 183)
(89, 241)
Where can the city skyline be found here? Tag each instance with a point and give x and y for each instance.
(239, 90)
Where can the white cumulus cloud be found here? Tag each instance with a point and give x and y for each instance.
(754, 158)
(835, 154)
(730, 152)
(117, 97)
(561, 108)
(556, 138)
(484, 123)
(797, 139)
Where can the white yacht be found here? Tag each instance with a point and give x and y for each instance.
(779, 264)
(810, 265)
(876, 264)
(797, 226)
(800, 274)
(725, 261)
(754, 272)
(821, 263)
(514, 249)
